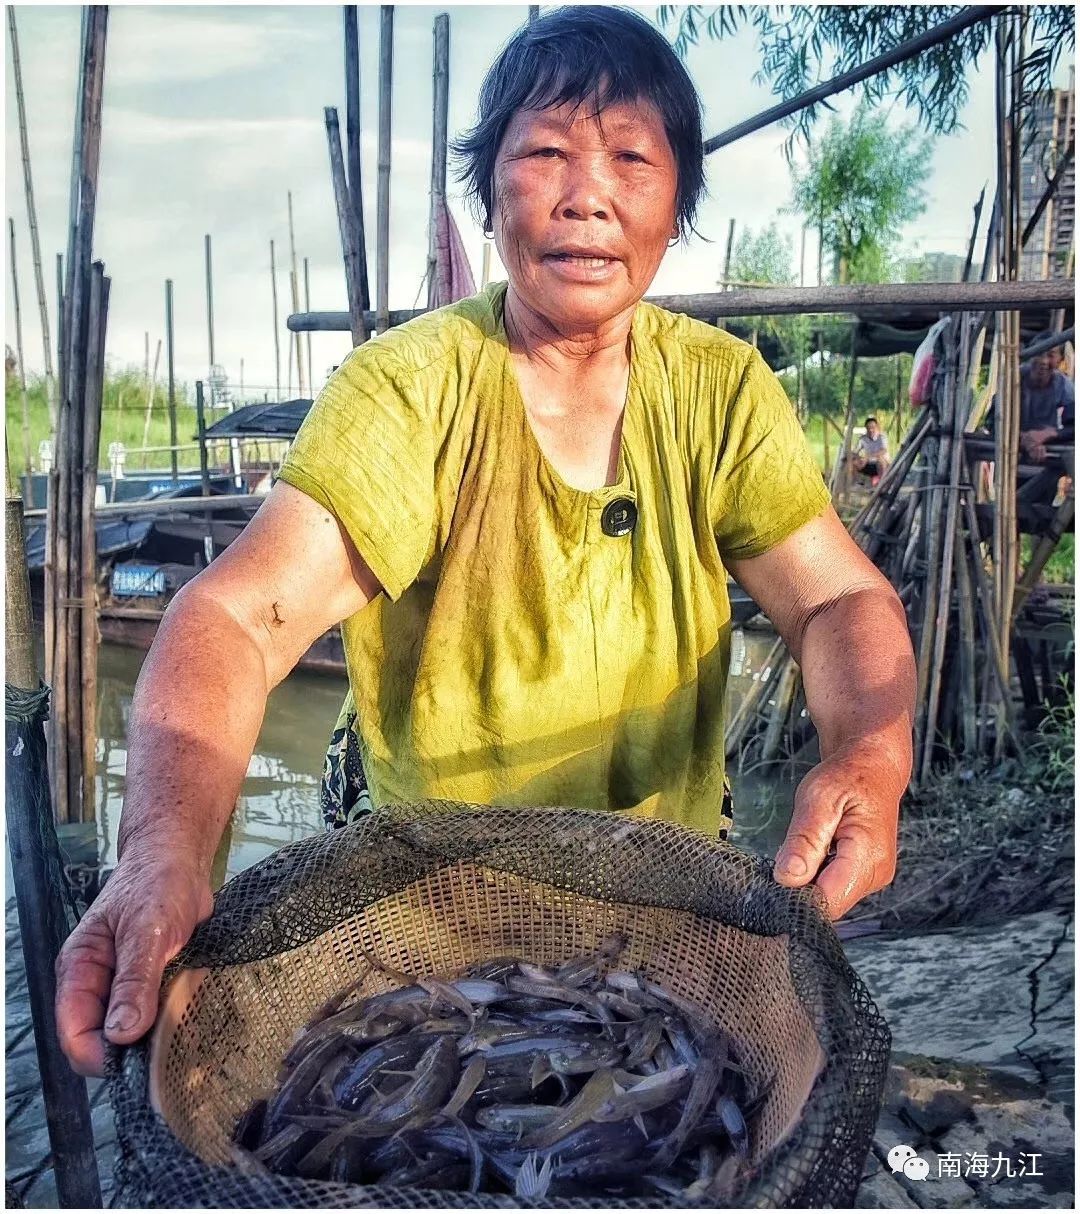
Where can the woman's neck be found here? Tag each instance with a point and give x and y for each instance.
(551, 349)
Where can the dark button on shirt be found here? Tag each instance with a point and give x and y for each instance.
(619, 517)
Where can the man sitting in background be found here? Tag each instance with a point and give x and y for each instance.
(1047, 415)
(871, 455)
(1047, 404)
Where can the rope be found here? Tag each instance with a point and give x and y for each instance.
(26, 706)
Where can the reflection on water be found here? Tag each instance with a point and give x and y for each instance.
(280, 803)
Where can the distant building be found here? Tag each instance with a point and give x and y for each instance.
(1048, 251)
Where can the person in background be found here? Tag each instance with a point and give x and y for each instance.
(871, 455)
(1047, 404)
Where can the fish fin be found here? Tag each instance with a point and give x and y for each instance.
(541, 1070)
(639, 1121)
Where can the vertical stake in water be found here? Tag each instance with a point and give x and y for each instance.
(210, 315)
(386, 83)
(172, 380)
(440, 108)
(37, 878)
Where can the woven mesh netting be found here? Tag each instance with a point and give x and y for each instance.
(433, 888)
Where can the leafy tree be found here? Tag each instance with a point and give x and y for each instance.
(862, 183)
(933, 267)
(801, 45)
(765, 258)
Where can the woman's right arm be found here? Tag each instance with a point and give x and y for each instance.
(228, 638)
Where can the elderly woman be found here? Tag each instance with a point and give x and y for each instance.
(524, 509)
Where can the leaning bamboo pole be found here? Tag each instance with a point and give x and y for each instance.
(354, 190)
(31, 214)
(355, 317)
(307, 304)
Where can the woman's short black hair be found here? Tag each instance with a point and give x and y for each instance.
(591, 54)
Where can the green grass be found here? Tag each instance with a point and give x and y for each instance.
(1061, 567)
(123, 419)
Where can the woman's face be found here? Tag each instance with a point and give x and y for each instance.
(583, 209)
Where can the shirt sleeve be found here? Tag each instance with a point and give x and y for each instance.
(365, 452)
(767, 483)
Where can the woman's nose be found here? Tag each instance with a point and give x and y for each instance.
(586, 193)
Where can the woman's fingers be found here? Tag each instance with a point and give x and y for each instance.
(109, 970)
(84, 972)
(840, 804)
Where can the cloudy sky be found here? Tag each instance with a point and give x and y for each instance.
(213, 114)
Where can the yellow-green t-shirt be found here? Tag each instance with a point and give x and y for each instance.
(521, 655)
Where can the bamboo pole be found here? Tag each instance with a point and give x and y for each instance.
(146, 356)
(839, 479)
(28, 462)
(485, 270)
(356, 318)
(880, 63)
(31, 214)
(210, 314)
(95, 373)
(859, 298)
(785, 696)
(440, 119)
(294, 281)
(355, 191)
(307, 305)
(277, 343)
(150, 401)
(37, 884)
(382, 223)
(68, 750)
(170, 350)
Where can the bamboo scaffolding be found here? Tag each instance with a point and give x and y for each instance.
(31, 214)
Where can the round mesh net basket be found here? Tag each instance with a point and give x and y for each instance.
(433, 888)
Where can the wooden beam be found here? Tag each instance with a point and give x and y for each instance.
(355, 318)
(793, 301)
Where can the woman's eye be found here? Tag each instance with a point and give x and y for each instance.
(632, 157)
(549, 152)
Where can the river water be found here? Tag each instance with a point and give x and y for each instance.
(279, 802)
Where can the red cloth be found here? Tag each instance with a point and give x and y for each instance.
(453, 277)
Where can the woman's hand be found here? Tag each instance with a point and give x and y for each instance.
(851, 800)
(109, 971)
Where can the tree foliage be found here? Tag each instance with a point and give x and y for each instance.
(863, 181)
(802, 45)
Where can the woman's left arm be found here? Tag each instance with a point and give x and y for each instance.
(846, 628)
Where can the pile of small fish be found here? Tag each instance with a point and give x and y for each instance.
(513, 1078)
